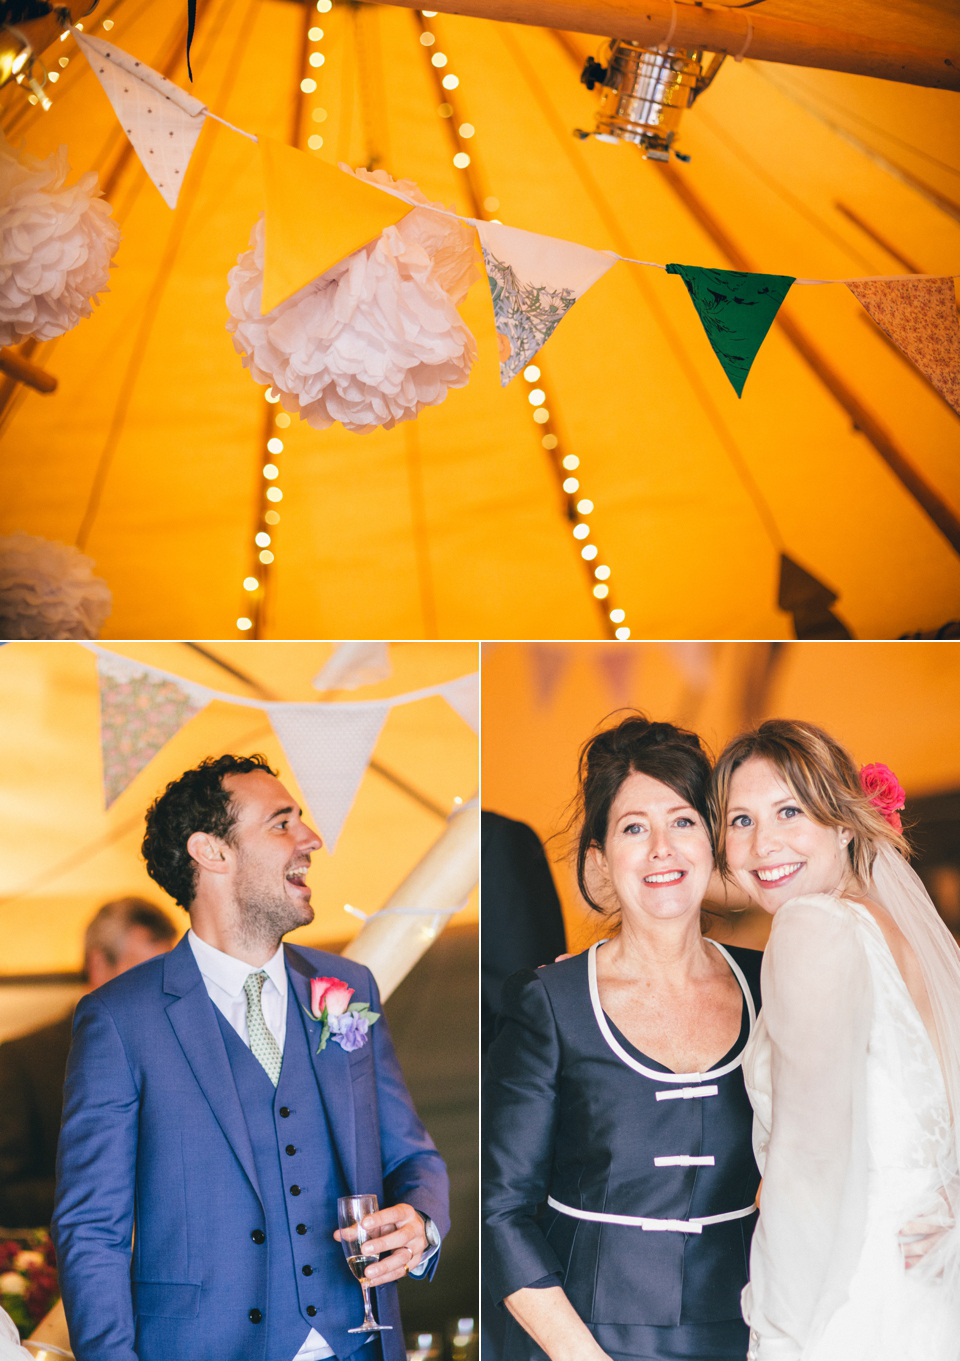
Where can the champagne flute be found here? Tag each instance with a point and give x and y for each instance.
(351, 1212)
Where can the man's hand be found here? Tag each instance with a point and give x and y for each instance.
(400, 1234)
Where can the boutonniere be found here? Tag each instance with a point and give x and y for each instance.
(347, 1022)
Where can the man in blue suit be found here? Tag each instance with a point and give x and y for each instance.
(205, 1140)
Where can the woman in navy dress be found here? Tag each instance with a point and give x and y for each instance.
(620, 1181)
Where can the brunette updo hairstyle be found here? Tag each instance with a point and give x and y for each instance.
(666, 753)
(825, 781)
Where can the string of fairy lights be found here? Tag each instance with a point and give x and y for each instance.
(252, 621)
(578, 507)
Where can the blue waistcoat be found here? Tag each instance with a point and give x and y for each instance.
(300, 1181)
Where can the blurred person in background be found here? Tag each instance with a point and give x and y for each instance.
(522, 924)
(123, 933)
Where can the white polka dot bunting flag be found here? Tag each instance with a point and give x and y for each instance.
(162, 121)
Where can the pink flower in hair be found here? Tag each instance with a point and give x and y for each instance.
(885, 792)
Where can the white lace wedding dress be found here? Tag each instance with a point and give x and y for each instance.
(853, 1135)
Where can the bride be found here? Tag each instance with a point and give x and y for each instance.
(854, 1066)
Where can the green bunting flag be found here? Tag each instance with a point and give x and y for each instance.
(737, 311)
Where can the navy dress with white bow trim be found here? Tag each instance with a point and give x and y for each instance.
(630, 1185)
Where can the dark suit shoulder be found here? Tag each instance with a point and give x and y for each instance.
(557, 986)
(129, 988)
(313, 963)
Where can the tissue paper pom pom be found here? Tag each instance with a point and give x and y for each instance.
(47, 590)
(56, 243)
(374, 339)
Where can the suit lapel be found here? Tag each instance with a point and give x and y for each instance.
(332, 1068)
(193, 1017)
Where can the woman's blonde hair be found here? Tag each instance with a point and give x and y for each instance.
(825, 781)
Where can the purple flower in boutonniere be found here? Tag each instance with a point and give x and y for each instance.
(350, 1030)
(347, 1022)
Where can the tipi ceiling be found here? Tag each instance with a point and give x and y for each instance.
(839, 456)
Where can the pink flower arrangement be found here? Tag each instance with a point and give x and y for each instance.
(885, 792)
(28, 1279)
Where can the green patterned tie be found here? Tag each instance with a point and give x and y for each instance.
(262, 1044)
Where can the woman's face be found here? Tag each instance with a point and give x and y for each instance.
(657, 857)
(775, 850)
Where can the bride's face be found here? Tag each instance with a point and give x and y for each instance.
(775, 850)
(657, 858)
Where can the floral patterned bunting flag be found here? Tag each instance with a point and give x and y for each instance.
(140, 710)
(329, 748)
(920, 317)
(534, 281)
(737, 311)
(162, 121)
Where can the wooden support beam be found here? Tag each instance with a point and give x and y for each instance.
(736, 32)
(16, 366)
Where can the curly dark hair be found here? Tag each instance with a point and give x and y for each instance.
(196, 802)
(666, 753)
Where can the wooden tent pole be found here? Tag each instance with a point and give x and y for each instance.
(750, 33)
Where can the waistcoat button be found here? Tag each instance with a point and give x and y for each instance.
(311, 1309)
(255, 1316)
(294, 1190)
(307, 1270)
(291, 1150)
(301, 1228)
(284, 1111)
(259, 1236)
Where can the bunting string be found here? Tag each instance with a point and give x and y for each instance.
(328, 744)
(534, 279)
(123, 665)
(475, 222)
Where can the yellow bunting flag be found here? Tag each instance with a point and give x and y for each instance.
(316, 215)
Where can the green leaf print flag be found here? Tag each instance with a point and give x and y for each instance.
(737, 311)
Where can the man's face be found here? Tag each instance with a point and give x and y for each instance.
(271, 847)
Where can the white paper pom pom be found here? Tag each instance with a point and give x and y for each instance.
(56, 244)
(377, 337)
(48, 590)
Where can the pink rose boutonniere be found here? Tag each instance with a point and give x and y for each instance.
(346, 1022)
(885, 792)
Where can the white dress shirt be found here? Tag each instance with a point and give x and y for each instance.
(223, 977)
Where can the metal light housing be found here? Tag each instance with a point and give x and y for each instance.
(644, 91)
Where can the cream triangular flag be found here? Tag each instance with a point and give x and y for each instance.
(463, 696)
(162, 121)
(140, 710)
(354, 664)
(316, 215)
(534, 281)
(920, 317)
(329, 748)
